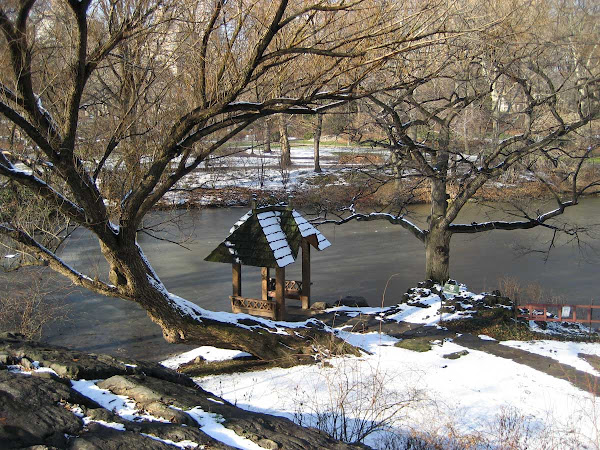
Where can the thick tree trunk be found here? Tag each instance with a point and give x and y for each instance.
(317, 141)
(286, 159)
(184, 322)
(437, 255)
(437, 241)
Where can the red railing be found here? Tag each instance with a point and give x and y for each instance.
(564, 313)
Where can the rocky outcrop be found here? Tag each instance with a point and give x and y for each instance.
(40, 407)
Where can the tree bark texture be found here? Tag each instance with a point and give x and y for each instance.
(284, 142)
(317, 141)
(267, 136)
(437, 255)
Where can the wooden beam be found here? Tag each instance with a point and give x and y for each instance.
(237, 279)
(265, 282)
(305, 294)
(280, 292)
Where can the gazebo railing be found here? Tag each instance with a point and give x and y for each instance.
(254, 306)
(293, 288)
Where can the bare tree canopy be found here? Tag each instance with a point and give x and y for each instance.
(107, 105)
(521, 94)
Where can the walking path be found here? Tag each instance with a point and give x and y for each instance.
(403, 330)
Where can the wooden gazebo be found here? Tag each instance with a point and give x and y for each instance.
(270, 237)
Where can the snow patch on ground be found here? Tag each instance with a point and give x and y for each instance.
(119, 404)
(485, 337)
(206, 352)
(211, 424)
(471, 394)
(127, 409)
(180, 444)
(563, 352)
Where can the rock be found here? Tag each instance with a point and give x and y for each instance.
(37, 410)
(268, 444)
(103, 438)
(353, 301)
(427, 284)
(31, 412)
(455, 355)
(5, 359)
(320, 306)
(26, 363)
(77, 365)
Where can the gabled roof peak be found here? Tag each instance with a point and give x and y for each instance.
(267, 236)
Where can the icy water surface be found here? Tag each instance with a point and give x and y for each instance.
(363, 258)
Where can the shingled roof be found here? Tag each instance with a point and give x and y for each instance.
(267, 237)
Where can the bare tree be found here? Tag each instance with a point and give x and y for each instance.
(534, 100)
(118, 101)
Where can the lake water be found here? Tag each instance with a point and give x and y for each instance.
(363, 258)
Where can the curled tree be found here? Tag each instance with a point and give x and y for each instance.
(109, 104)
(520, 94)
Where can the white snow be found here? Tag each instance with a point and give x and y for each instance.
(119, 404)
(485, 337)
(126, 408)
(285, 261)
(210, 424)
(467, 395)
(209, 353)
(113, 425)
(563, 352)
(477, 394)
(180, 444)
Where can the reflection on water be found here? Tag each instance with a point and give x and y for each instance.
(363, 258)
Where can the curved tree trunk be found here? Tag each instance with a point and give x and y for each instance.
(182, 321)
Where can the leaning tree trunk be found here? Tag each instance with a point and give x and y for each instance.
(182, 321)
(286, 158)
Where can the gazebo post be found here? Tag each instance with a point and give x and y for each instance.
(280, 293)
(305, 292)
(237, 279)
(264, 271)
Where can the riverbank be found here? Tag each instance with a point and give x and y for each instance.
(340, 185)
(419, 382)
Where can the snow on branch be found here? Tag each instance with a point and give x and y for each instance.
(395, 220)
(533, 222)
(62, 203)
(58, 264)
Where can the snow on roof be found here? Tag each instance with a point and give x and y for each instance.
(306, 229)
(267, 237)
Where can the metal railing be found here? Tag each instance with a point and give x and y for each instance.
(549, 312)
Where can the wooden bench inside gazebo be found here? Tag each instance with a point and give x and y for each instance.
(270, 237)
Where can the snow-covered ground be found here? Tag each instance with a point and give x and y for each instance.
(261, 171)
(478, 397)
(472, 395)
(390, 394)
(563, 352)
